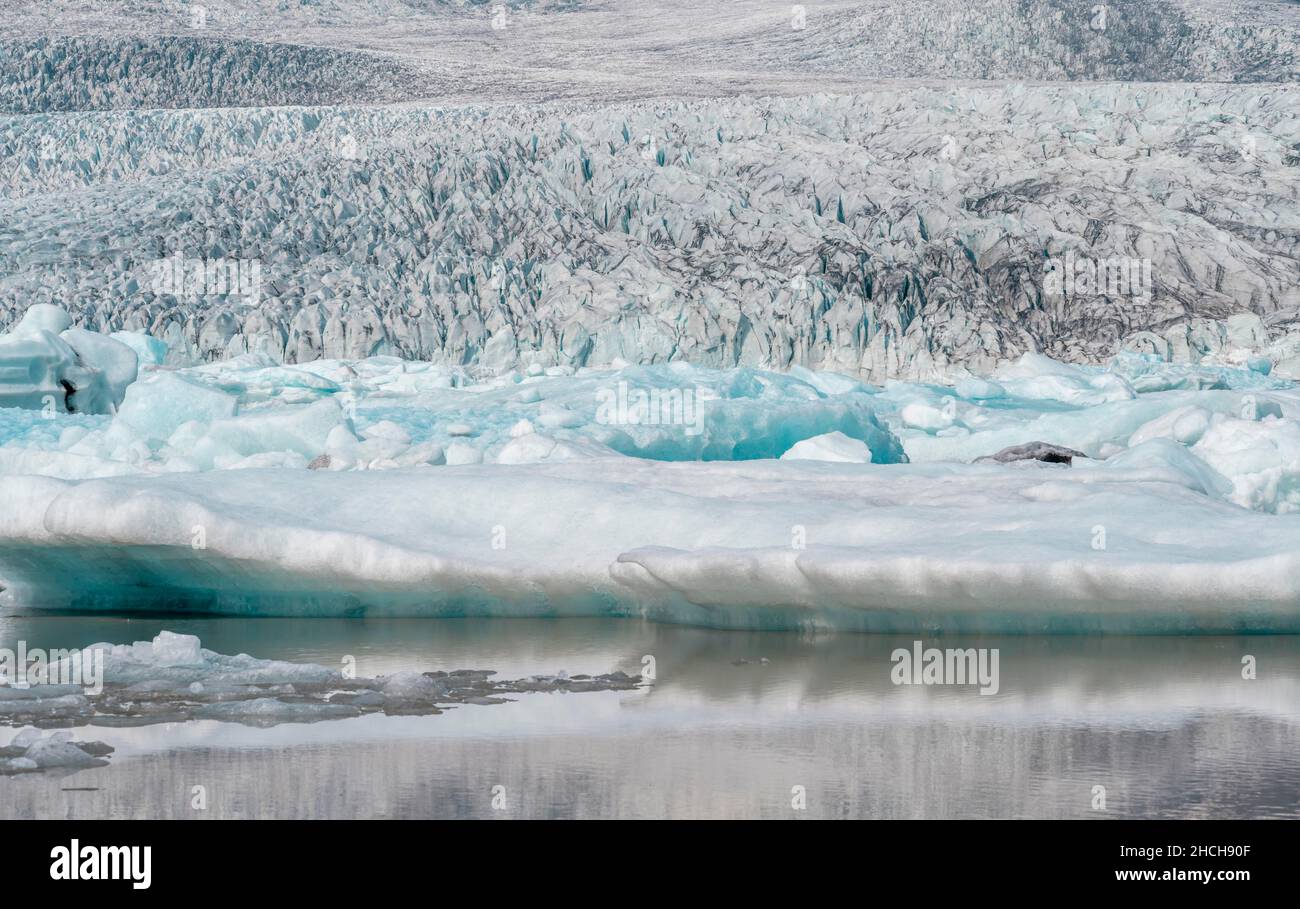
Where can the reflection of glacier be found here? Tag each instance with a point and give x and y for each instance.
(1167, 725)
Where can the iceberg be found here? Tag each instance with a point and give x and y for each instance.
(45, 364)
(831, 446)
(30, 751)
(756, 544)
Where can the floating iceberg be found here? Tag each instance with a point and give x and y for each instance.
(761, 544)
(173, 678)
(31, 751)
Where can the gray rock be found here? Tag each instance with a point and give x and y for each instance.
(1033, 451)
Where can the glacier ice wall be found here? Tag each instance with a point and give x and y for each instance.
(546, 211)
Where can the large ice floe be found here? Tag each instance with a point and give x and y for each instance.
(1145, 495)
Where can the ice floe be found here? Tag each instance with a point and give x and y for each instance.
(46, 364)
(31, 751)
(173, 678)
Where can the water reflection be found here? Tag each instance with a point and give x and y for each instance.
(1167, 725)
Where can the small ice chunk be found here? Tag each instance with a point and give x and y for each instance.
(117, 362)
(304, 429)
(1183, 424)
(410, 686)
(150, 351)
(25, 737)
(160, 404)
(1253, 408)
(56, 752)
(831, 446)
(43, 317)
(924, 417)
(387, 429)
(463, 453)
(171, 649)
(553, 416)
(976, 389)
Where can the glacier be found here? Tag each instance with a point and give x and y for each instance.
(402, 307)
(904, 233)
(882, 188)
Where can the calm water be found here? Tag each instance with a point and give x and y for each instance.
(1166, 725)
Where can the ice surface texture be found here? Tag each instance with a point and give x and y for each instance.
(561, 491)
(903, 233)
(60, 56)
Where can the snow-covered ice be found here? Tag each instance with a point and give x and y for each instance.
(738, 497)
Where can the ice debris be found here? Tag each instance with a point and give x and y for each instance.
(32, 752)
(173, 678)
